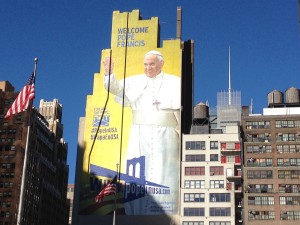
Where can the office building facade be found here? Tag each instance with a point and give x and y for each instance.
(272, 161)
(46, 175)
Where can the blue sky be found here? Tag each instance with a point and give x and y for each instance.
(68, 36)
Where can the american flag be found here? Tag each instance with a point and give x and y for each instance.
(109, 189)
(22, 101)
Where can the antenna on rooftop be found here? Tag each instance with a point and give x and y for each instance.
(229, 79)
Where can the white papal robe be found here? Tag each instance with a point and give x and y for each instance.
(155, 104)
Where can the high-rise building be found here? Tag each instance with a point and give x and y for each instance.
(271, 161)
(46, 176)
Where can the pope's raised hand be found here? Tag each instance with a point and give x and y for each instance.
(108, 66)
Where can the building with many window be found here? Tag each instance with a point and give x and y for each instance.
(46, 175)
(272, 162)
(211, 176)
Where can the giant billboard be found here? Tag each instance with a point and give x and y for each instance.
(132, 124)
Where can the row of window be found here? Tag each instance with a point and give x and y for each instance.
(213, 211)
(7, 131)
(7, 165)
(258, 137)
(6, 157)
(260, 188)
(202, 223)
(201, 158)
(9, 140)
(290, 215)
(260, 200)
(5, 204)
(200, 170)
(289, 188)
(259, 174)
(265, 137)
(6, 194)
(268, 174)
(256, 162)
(268, 188)
(259, 149)
(289, 174)
(5, 214)
(7, 148)
(213, 197)
(288, 148)
(270, 215)
(7, 175)
(200, 184)
(257, 125)
(213, 158)
(261, 215)
(6, 184)
(268, 149)
(287, 123)
(287, 137)
(266, 124)
(289, 200)
(200, 145)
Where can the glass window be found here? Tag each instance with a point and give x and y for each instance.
(216, 184)
(214, 145)
(214, 157)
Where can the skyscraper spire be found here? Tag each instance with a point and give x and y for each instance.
(229, 79)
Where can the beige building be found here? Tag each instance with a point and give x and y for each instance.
(272, 161)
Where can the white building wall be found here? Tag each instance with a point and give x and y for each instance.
(232, 135)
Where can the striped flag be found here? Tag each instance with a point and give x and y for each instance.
(22, 101)
(109, 189)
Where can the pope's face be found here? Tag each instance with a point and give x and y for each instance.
(152, 66)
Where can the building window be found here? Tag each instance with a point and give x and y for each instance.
(219, 197)
(195, 158)
(287, 148)
(288, 162)
(289, 200)
(214, 145)
(219, 223)
(221, 211)
(194, 184)
(259, 174)
(289, 174)
(214, 157)
(216, 170)
(287, 137)
(195, 145)
(216, 184)
(192, 223)
(193, 211)
(259, 149)
(257, 162)
(289, 188)
(290, 215)
(194, 171)
(261, 215)
(260, 188)
(194, 197)
(260, 200)
(257, 124)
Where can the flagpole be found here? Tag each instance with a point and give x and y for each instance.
(114, 218)
(21, 200)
